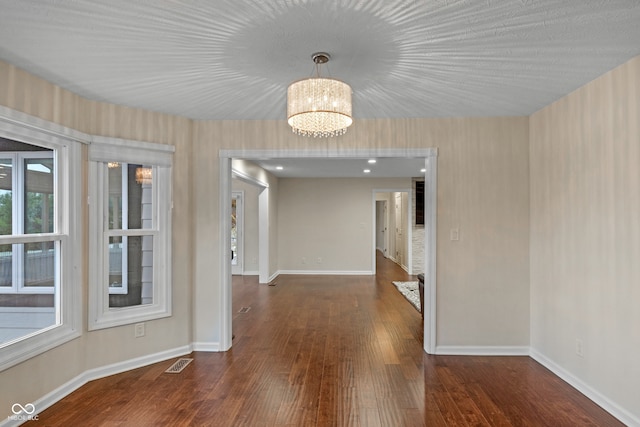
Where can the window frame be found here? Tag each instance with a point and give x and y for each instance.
(68, 232)
(102, 151)
(18, 220)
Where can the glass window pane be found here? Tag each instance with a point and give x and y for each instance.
(39, 264)
(26, 313)
(140, 197)
(6, 266)
(135, 273)
(39, 195)
(115, 264)
(6, 192)
(115, 195)
(132, 208)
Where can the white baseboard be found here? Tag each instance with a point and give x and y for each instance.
(461, 350)
(328, 272)
(206, 346)
(598, 398)
(93, 374)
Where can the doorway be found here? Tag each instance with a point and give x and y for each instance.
(237, 232)
(393, 233)
(225, 156)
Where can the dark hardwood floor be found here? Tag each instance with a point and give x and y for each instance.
(329, 351)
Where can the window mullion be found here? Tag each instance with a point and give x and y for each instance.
(125, 226)
(18, 220)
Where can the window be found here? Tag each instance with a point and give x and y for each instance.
(39, 265)
(130, 226)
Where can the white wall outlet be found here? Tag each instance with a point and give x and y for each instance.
(319, 260)
(139, 330)
(304, 260)
(579, 348)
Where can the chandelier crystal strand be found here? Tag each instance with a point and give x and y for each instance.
(319, 107)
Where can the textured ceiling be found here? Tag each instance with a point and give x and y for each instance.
(386, 167)
(233, 59)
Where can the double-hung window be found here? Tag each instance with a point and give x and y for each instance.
(40, 272)
(130, 232)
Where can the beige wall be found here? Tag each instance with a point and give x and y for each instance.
(483, 189)
(585, 234)
(314, 214)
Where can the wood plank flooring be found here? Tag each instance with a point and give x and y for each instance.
(329, 351)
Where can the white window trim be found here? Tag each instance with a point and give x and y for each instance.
(32, 130)
(18, 208)
(102, 151)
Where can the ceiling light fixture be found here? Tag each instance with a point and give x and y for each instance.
(319, 106)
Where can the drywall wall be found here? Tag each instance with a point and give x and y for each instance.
(483, 191)
(326, 225)
(585, 235)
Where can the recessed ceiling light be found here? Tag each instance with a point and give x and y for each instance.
(372, 161)
(423, 170)
(366, 170)
(279, 168)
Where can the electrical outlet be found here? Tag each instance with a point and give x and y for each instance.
(139, 330)
(304, 260)
(319, 260)
(579, 348)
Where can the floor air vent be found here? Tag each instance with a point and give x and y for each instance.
(179, 365)
(244, 309)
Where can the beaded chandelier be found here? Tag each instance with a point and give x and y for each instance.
(319, 106)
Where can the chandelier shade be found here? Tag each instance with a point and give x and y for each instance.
(319, 106)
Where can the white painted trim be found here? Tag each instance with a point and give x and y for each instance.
(251, 273)
(329, 272)
(224, 226)
(211, 347)
(463, 350)
(93, 374)
(13, 120)
(225, 156)
(330, 153)
(68, 182)
(247, 178)
(263, 237)
(430, 250)
(100, 315)
(273, 277)
(598, 398)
